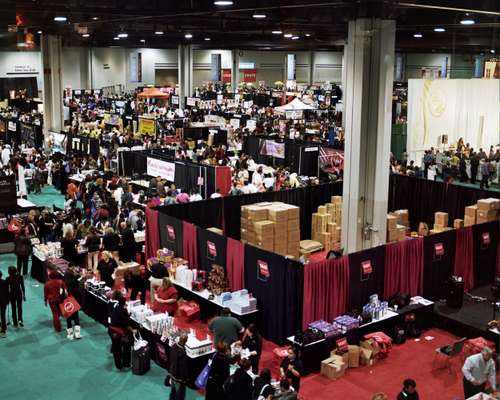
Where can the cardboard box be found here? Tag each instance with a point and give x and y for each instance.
(353, 353)
(333, 367)
(392, 222)
(345, 356)
(365, 357)
(322, 210)
(441, 219)
(392, 235)
(458, 223)
(469, 221)
(294, 236)
(264, 226)
(336, 199)
(293, 224)
(471, 211)
(486, 216)
(401, 230)
(277, 213)
(257, 214)
(371, 345)
(488, 204)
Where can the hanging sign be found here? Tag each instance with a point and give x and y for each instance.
(249, 75)
(165, 169)
(12, 126)
(366, 270)
(147, 126)
(486, 239)
(226, 75)
(170, 233)
(439, 249)
(211, 249)
(262, 270)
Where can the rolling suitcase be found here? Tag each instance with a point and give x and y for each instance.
(140, 357)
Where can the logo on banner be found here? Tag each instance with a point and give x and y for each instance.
(366, 270)
(342, 345)
(485, 239)
(250, 75)
(211, 249)
(262, 270)
(438, 251)
(170, 233)
(226, 75)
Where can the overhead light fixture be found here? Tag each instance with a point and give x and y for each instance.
(158, 32)
(85, 35)
(95, 18)
(123, 35)
(277, 32)
(295, 38)
(308, 34)
(259, 15)
(188, 36)
(60, 18)
(143, 40)
(207, 39)
(223, 3)
(439, 29)
(39, 32)
(492, 51)
(287, 35)
(467, 20)
(116, 38)
(418, 35)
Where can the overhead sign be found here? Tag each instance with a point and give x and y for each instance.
(165, 169)
(250, 75)
(246, 65)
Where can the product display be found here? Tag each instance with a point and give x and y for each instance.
(397, 225)
(327, 224)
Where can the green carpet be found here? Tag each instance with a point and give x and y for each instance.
(38, 363)
(493, 187)
(49, 197)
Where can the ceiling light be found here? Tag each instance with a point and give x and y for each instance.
(207, 39)
(276, 32)
(39, 32)
(295, 38)
(116, 38)
(492, 51)
(95, 18)
(287, 35)
(417, 35)
(259, 15)
(188, 36)
(86, 35)
(158, 32)
(308, 34)
(143, 40)
(223, 3)
(439, 29)
(467, 20)
(60, 19)
(123, 35)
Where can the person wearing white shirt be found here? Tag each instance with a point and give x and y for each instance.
(216, 194)
(195, 196)
(478, 369)
(257, 178)
(6, 155)
(117, 194)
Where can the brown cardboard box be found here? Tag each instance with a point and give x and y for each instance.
(257, 214)
(322, 210)
(336, 199)
(441, 219)
(392, 235)
(488, 204)
(370, 344)
(458, 223)
(353, 356)
(293, 224)
(471, 211)
(333, 367)
(469, 221)
(345, 356)
(277, 213)
(486, 216)
(365, 356)
(337, 234)
(401, 229)
(294, 236)
(392, 222)
(264, 227)
(293, 212)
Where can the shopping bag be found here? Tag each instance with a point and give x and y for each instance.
(139, 342)
(202, 379)
(69, 306)
(14, 226)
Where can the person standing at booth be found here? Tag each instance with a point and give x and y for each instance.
(477, 370)
(291, 368)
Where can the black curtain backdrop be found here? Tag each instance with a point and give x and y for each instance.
(362, 286)
(423, 198)
(485, 254)
(438, 268)
(172, 240)
(8, 84)
(278, 292)
(206, 258)
(205, 214)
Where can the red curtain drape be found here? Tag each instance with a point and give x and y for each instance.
(498, 261)
(326, 286)
(152, 240)
(189, 244)
(464, 264)
(404, 267)
(235, 264)
(223, 179)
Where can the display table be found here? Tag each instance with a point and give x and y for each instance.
(25, 205)
(140, 184)
(210, 308)
(312, 354)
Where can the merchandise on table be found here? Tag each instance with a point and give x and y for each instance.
(326, 328)
(49, 250)
(347, 323)
(196, 348)
(241, 301)
(98, 288)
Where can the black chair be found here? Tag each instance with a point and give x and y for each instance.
(450, 352)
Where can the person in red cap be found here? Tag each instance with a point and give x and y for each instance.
(53, 293)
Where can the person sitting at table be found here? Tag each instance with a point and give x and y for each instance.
(226, 329)
(158, 272)
(165, 298)
(106, 268)
(291, 368)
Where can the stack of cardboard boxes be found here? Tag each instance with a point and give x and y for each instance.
(327, 224)
(272, 226)
(440, 223)
(398, 223)
(488, 210)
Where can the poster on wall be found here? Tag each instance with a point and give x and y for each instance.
(12, 126)
(147, 126)
(331, 160)
(250, 75)
(28, 135)
(215, 68)
(272, 148)
(191, 101)
(226, 75)
(165, 169)
(263, 273)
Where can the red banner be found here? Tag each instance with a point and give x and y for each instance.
(249, 75)
(366, 267)
(439, 249)
(263, 270)
(212, 250)
(226, 75)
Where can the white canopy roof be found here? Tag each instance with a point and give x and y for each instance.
(295, 105)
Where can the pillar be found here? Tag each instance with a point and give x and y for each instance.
(344, 85)
(235, 69)
(311, 68)
(369, 65)
(185, 68)
(51, 47)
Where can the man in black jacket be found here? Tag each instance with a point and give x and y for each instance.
(4, 301)
(179, 374)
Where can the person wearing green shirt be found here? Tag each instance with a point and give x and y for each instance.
(226, 329)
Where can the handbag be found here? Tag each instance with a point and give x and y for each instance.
(69, 306)
(202, 379)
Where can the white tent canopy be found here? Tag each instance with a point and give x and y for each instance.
(295, 105)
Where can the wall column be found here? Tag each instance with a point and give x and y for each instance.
(185, 68)
(369, 65)
(311, 67)
(51, 49)
(235, 59)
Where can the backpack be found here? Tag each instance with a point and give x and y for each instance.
(399, 335)
(228, 385)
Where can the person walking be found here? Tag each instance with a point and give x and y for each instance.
(17, 295)
(53, 294)
(219, 372)
(226, 329)
(4, 302)
(106, 268)
(474, 166)
(92, 242)
(73, 290)
(22, 250)
(478, 369)
(178, 369)
(240, 384)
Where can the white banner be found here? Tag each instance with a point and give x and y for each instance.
(161, 168)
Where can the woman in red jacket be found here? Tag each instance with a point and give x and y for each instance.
(53, 293)
(165, 298)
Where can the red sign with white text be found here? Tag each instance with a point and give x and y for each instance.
(226, 75)
(439, 249)
(170, 232)
(249, 75)
(367, 268)
(263, 269)
(212, 250)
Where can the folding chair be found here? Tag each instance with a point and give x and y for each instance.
(450, 352)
